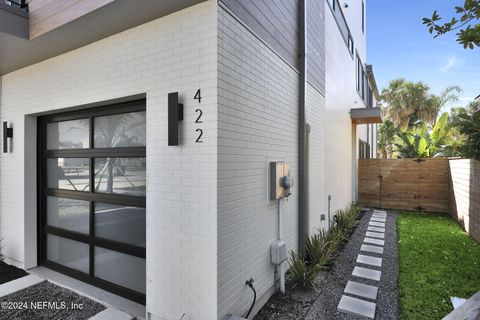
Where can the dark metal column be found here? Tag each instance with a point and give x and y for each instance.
(302, 159)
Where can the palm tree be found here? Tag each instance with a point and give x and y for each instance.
(386, 132)
(403, 99)
(411, 105)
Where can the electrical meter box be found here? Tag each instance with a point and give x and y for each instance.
(278, 252)
(280, 180)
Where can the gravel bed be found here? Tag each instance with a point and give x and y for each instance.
(31, 304)
(9, 272)
(296, 303)
(325, 307)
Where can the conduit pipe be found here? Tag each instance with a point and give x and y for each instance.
(281, 268)
(302, 132)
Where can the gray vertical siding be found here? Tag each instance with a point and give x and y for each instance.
(316, 44)
(277, 23)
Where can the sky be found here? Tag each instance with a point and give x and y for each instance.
(399, 45)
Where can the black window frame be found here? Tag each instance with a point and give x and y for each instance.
(340, 19)
(361, 79)
(128, 200)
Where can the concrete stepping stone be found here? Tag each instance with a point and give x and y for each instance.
(376, 229)
(379, 214)
(375, 234)
(374, 249)
(357, 307)
(377, 224)
(19, 284)
(367, 273)
(374, 241)
(378, 219)
(361, 290)
(112, 314)
(373, 261)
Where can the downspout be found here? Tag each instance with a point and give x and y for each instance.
(302, 159)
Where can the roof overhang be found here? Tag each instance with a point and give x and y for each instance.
(13, 21)
(366, 115)
(16, 51)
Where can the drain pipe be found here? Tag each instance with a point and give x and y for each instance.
(302, 159)
(281, 268)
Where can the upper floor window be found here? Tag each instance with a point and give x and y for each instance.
(362, 82)
(342, 25)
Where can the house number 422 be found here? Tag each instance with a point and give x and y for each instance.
(199, 114)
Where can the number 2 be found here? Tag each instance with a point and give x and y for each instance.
(200, 133)
(199, 116)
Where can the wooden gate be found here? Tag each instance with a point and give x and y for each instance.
(406, 184)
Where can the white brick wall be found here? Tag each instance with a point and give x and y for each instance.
(258, 122)
(174, 53)
(315, 115)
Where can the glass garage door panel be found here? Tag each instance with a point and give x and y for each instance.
(120, 130)
(68, 214)
(122, 269)
(69, 253)
(93, 190)
(68, 174)
(72, 134)
(120, 176)
(120, 223)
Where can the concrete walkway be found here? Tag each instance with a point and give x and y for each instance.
(362, 283)
(359, 298)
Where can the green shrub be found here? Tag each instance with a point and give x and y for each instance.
(321, 248)
(302, 273)
(347, 219)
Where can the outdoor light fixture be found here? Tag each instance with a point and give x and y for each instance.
(175, 114)
(7, 133)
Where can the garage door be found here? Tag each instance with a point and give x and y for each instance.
(92, 185)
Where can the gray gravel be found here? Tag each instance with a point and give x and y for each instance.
(18, 305)
(325, 307)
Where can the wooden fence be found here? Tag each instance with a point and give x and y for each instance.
(405, 184)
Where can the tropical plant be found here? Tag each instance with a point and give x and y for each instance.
(410, 104)
(302, 273)
(321, 248)
(424, 143)
(466, 23)
(468, 123)
(386, 133)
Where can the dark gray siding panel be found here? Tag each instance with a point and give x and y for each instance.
(276, 22)
(316, 44)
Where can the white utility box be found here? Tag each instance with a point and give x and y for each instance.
(278, 252)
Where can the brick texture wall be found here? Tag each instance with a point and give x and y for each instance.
(465, 195)
(175, 53)
(258, 96)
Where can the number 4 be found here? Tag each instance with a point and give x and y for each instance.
(198, 96)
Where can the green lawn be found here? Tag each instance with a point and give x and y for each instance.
(437, 260)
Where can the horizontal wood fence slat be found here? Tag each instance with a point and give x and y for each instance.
(405, 184)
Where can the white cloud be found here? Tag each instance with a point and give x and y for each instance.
(452, 61)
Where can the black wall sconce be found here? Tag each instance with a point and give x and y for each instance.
(175, 114)
(7, 133)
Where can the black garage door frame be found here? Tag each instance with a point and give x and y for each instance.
(118, 199)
